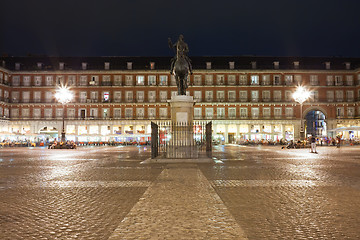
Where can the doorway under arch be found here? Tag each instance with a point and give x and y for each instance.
(315, 123)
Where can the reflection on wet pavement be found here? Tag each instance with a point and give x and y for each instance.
(253, 192)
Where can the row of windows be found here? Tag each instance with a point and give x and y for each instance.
(129, 65)
(162, 80)
(207, 112)
(163, 96)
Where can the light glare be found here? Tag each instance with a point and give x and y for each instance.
(301, 95)
(63, 95)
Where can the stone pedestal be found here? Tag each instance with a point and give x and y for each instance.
(182, 109)
(182, 144)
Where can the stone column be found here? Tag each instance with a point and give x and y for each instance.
(76, 132)
(135, 134)
(226, 133)
(237, 132)
(297, 128)
(283, 131)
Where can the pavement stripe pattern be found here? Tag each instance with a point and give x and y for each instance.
(179, 204)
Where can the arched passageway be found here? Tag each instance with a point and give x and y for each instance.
(315, 123)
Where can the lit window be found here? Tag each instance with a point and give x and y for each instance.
(163, 80)
(254, 80)
(140, 80)
(106, 96)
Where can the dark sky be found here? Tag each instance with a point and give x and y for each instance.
(210, 27)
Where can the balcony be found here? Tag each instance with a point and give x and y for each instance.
(5, 82)
(106, 84)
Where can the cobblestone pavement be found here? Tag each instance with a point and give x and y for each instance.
(248, 192)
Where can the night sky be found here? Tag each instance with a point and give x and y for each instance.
(211, 28)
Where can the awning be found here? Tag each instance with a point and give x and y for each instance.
(340, 129)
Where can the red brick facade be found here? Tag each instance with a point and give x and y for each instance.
(261, 96)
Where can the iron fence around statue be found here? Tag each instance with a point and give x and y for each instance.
(179, 140)
(208, 139)
(154, 140)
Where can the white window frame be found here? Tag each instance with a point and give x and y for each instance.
(140, 80)
(152, 80)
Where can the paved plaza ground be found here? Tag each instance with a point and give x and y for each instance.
(247, 192)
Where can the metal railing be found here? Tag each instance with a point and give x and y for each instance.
(180, 139)
(198, 100)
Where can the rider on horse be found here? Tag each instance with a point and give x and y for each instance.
(181, 49)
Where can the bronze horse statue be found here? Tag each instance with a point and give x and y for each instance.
(180, 65)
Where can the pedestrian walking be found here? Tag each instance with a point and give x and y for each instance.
(313, 144)
(338, 138)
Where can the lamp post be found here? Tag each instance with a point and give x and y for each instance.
(300, 96)
(63, 95)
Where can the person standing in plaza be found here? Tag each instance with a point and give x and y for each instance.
(338, 140)
(313, 144)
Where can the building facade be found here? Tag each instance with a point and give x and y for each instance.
(116, 98)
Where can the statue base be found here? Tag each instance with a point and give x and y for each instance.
(182, 109)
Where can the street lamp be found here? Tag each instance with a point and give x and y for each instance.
(63, 95)
(300, 96)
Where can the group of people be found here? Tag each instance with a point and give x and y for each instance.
(68, 144)
(313, 141)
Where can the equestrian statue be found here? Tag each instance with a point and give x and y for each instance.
(180, 64)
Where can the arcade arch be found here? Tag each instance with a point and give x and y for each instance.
(315, 122)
